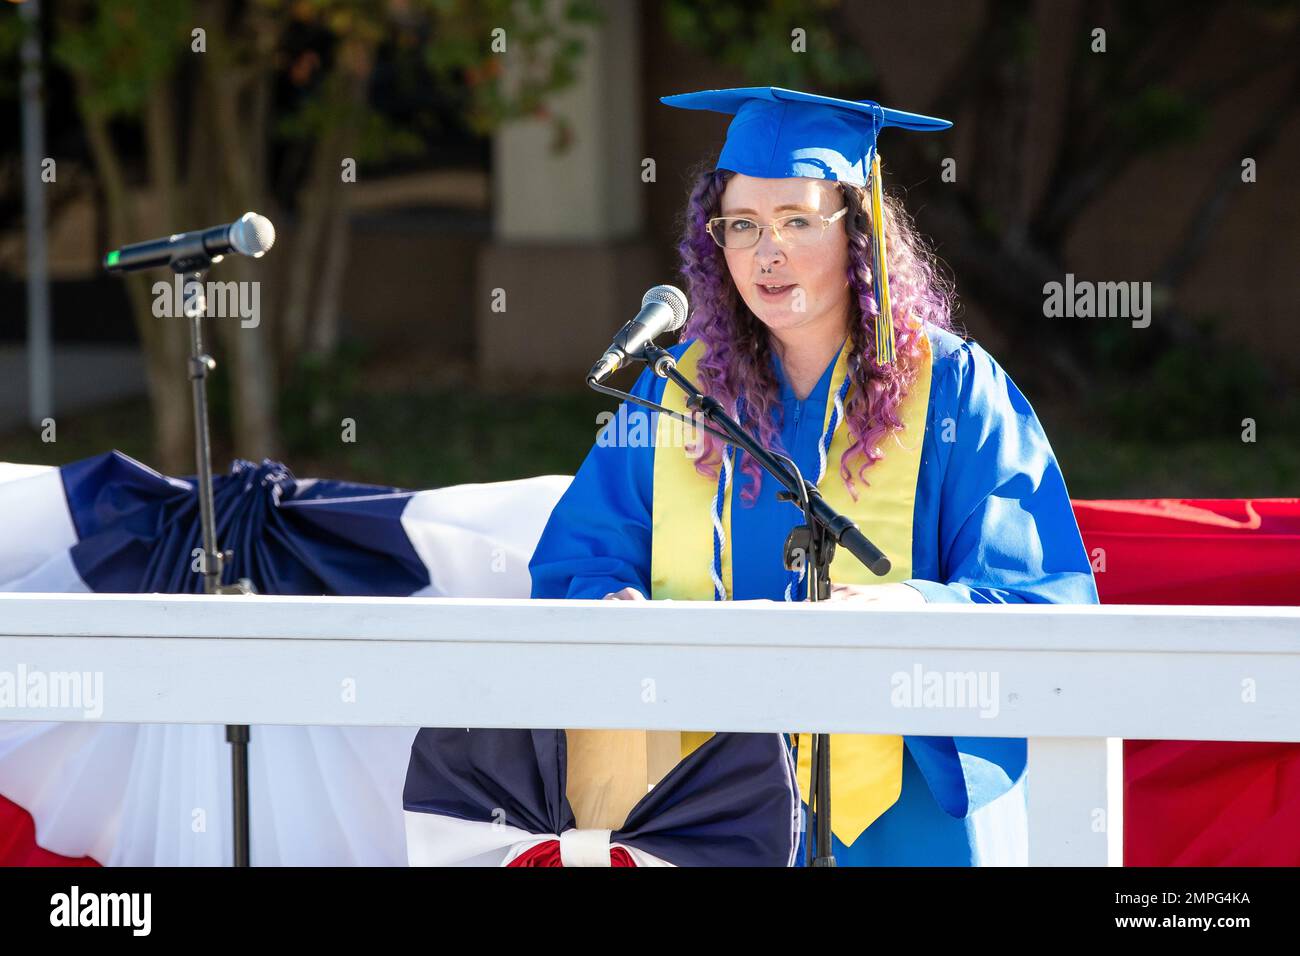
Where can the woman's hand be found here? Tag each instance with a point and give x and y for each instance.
(627, 594)
(893, 595)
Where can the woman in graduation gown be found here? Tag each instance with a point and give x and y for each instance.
(789, 252)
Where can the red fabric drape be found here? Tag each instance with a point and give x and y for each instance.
(18, 841)
(1189, 803)
(548, 854)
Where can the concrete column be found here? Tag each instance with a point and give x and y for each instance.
(568, 262)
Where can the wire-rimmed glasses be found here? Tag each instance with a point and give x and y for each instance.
(797, 229)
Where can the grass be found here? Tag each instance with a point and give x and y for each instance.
(448, 437)
(444, 436)
(1100, 467)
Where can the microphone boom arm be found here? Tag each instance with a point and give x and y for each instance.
(606, 390)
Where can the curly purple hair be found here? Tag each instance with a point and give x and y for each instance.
(737, 359)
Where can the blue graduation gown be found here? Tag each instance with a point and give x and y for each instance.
(992, 524)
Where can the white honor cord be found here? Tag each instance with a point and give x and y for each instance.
(719, 535)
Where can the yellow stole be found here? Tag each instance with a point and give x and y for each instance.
(866, 770)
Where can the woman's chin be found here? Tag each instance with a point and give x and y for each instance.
(777, 320)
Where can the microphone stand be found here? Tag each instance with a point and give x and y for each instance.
(193, 269)
(810, 546)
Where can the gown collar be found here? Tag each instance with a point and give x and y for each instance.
(820, 389)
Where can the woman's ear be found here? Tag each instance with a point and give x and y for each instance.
(856, 201)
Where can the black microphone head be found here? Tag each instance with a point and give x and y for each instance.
(252, 235)
(672, 297)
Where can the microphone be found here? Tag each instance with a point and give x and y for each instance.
(849, 537)
(249, 235)
(663, 309)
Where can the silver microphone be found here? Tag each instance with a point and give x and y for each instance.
(249, 235)
(663, 309)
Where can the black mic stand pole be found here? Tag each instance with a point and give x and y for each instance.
(808, 545)
(193, 270)
(811, 545)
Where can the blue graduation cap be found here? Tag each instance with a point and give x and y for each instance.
(779, 133)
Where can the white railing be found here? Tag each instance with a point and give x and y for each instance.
(1072, 679)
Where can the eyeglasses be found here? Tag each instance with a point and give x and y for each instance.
(800, 229)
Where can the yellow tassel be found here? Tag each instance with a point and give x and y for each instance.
(885, 318)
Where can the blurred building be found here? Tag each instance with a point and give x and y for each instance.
(521, 267)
